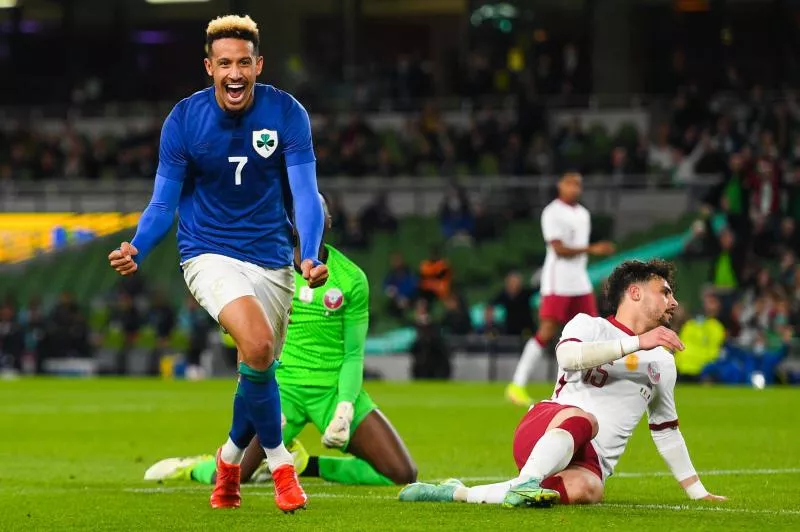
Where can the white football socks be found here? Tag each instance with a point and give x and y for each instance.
(531, 355)
(231, 454)
(486, 494)
(278, 456)
(551, 454)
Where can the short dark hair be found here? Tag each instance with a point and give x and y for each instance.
(232, 27)
(635, 271)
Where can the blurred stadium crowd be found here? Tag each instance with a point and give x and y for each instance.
(747, 229)
(699, 136)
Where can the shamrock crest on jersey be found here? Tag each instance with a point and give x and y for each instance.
(264, 142)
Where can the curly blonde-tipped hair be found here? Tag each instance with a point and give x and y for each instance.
(232, 26)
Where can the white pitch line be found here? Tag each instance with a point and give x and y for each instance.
(687, 508)
(715, 472)
(312, 496)
(647, 474)
(624, 474)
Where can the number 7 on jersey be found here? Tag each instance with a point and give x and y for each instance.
(240, 162)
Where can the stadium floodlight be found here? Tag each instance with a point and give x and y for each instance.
(175, 1)
(7, 3)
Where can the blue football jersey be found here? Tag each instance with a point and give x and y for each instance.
(235, 197)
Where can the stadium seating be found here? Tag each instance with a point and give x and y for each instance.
(478, 270)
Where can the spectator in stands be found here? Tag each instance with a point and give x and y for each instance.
(34, 323)
(516, 299)
(429, 351)
(787, 269)
(327, 159)
(570, 143)
(377, 216)
(788, 237)
(703, 336)
(512, 158)
(619, 164)
(456, 319)
(353, 236)
(764, 182)
(197, 324)
(539, 157)
(132, 285)
(485, 224)
(727, 254)
(68, 331)
(400, 286)
(724, 139)
(354, 158)
(792, 187)
(731, 196)
(660, 158)
(162, 319)
(435, 276)
(489, 327)
(793, 290)
(455, 215)
(759, 340)
(126, 318)
(12, 338)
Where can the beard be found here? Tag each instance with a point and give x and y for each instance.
(665, 319)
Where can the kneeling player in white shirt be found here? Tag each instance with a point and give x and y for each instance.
(611, 371)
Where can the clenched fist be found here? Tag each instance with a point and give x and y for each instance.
(316, 275)
(121, 259)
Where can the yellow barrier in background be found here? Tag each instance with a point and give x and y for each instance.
(25, 235)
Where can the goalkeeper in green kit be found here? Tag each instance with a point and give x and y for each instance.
(320, 377)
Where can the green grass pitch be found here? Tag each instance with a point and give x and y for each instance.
(73, 452)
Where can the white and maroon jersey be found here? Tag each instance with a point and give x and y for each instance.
(572, 225)
(620, 392)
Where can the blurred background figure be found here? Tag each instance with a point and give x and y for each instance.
(704, 337)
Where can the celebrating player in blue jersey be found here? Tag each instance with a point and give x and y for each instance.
(222, 159)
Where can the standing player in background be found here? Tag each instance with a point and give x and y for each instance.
(321, 382)
(223, 156)
(565, 288)
(611, 371)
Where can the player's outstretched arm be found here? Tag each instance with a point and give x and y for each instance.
(155, 222)
(672, 448)
(663, 422)
(157, 218)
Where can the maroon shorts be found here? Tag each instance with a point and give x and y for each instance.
(564, 308)
(532, 428)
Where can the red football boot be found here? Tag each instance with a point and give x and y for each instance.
(289, 496)
(226, 491)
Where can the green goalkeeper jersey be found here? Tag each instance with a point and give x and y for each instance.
(328, 329)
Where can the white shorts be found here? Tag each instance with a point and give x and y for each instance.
(216, 280)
